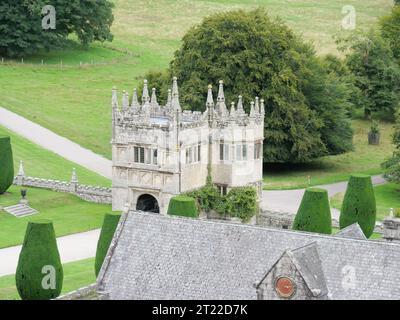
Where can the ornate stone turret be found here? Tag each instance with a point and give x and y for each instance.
(21, 171)
(257, 105)
(135, 106)
(145, 94)
(240, 110)
(175, 104)
(154, 102)
(125, 101)
(161, 151)
(221, 106)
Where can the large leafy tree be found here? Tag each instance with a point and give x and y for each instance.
(376, 72)
(21, 24)
(390, 26)
(392, 165)
(259, 56)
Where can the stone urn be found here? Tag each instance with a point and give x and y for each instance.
(373, 138)
(23, 197)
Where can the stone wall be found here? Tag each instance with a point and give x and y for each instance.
(284, 220)
(86, 293)
(94, 194)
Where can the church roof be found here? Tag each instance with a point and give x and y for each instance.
(162, 257)
(309, 265)
(353, 231)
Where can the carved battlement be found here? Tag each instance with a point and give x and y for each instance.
(149, 114)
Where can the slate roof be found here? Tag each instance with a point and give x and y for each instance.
(159, 257)
(353, 231)
(309, 265)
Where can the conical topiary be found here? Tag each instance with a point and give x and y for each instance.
(314, 214)
(183, 206)
(39, 273)
(6, 164)
(359, 204)
(110, 224)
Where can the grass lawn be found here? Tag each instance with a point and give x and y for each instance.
(364, 159)
(77, 275)
(75, 101)
(387, 196)
(68, 213)
(41, 163)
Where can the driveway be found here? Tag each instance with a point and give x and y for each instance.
(53, 142)
(289, 200)
(74, 247)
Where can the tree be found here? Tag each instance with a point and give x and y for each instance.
(376, 72)
(108, 228)
(6, 164)
(359, 204)
(259, 56)
(21, 24)
(39, 273)
(391, 166)
(314, 214)
(183, 206)
(390, 27)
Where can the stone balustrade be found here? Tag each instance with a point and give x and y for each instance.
(94, 194)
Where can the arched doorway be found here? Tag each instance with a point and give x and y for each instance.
(147, 202)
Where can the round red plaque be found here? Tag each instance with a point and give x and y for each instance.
(285, 287)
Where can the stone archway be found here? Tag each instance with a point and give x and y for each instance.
(148, 203)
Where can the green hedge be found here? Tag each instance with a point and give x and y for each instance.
(183, 206)
(39, 274)
(314, 214)
(6, 164)
(110, 224)
(359, 204)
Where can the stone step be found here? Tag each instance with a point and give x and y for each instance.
(20, 210)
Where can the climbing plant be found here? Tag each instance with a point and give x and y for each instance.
(240, 202)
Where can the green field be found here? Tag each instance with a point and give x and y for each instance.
(364, 159)
(74, 101)
(387, 196)
(77, 275)
(41, 163)
(68, 213)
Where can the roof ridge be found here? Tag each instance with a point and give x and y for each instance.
(276, 230)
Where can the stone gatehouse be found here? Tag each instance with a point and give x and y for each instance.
(161, 151)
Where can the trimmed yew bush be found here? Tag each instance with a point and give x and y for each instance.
(314, 214)
(6, 164)
(183, 206)
(110, 224)
(359, 204)
(39, 273)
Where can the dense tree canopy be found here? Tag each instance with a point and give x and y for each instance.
(392, 165)
(376, 72)
(258, 56)
(390, 26)
(21, 24)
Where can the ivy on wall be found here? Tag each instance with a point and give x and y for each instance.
(240, 202)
